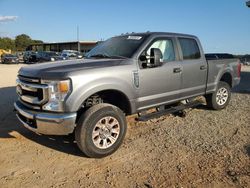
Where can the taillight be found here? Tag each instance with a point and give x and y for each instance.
(239, 68)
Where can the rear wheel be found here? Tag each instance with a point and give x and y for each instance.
(220, 98)
(100, 130)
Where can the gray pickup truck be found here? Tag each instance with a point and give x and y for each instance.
(124, 75)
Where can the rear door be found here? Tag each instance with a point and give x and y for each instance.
(194, 68)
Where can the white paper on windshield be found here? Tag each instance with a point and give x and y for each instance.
(134, 37)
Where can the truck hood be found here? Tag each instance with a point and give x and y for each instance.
(60, 69)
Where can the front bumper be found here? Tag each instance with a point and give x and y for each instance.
(46, 123)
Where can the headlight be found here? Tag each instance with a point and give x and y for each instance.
(57, 93)
(52, 59)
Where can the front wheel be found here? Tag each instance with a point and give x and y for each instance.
(100, 130)
(220, 98)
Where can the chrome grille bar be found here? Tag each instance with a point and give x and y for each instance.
(34, 89)
(27, 79)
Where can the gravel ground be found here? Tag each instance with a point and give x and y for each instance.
(204, 149)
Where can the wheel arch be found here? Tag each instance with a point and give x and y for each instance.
(114, 97)
(227, 77)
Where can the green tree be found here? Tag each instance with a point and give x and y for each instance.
(7, 43)
(37, 41)
(22, 42)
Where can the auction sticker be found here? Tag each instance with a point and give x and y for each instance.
(134, 37)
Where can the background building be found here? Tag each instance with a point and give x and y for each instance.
(85, 46)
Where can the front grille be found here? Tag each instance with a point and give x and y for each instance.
(38, 93)
(31, 92)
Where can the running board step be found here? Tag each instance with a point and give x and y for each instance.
(146, 117)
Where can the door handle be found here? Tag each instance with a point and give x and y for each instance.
(177, 70)
(203, 67)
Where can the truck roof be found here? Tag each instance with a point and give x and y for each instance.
(159, 33)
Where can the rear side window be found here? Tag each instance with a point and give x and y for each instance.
(190, 49)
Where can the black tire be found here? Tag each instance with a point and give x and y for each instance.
(89, 121)
(211, 100)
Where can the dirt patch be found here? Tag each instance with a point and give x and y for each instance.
(205, 149)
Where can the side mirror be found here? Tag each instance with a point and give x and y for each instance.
(143, 57)
(156, 56)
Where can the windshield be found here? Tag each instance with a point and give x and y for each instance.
(122, 46)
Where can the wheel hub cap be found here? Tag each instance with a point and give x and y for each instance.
(106, 132)
(221, 96)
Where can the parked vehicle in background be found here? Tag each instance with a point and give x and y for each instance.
(44, 56)
(246, 63)
(245, 59)
(20, 56)
(26, 56)
(79, 55)
(32, 58)
(9, 59)
(71, 54)
(48, 56)
(2, 52)
(211, 56)
(124, 75)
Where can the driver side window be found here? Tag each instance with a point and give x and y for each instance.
(167, 49)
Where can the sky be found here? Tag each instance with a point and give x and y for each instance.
(221, 25)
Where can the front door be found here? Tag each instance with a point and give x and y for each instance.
(159, 85)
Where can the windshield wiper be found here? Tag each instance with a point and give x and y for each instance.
(118, 56)
(108, 56)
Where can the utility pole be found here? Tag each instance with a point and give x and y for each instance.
(78, 42)
(248, 3)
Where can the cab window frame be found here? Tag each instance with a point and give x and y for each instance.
(181, 52)
(175, 47)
